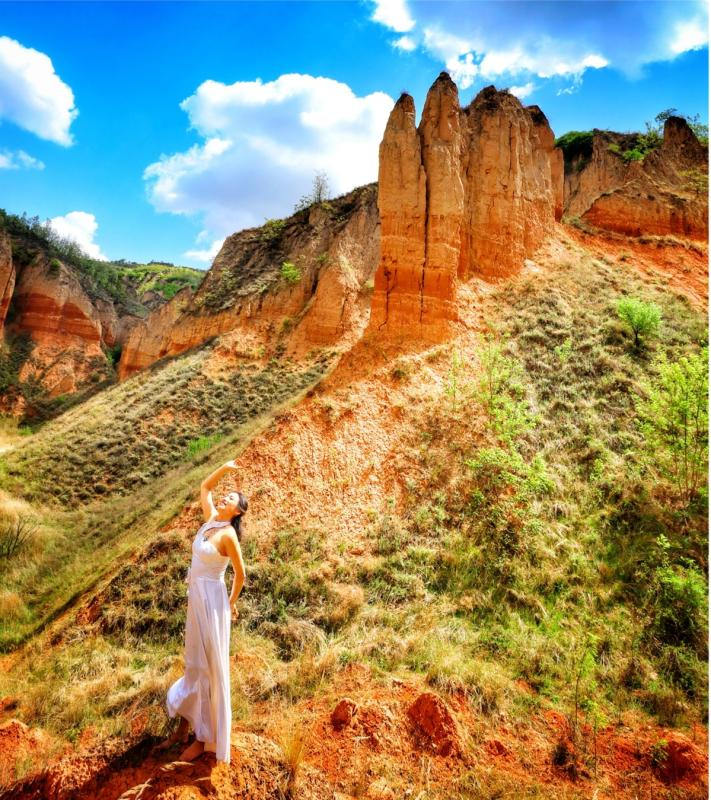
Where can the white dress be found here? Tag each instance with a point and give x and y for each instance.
(202, 695)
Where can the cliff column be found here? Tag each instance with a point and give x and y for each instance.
(396, 305)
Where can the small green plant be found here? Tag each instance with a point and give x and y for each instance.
(674, 420)
(54, 267)
(200, 444)
(16, 534)
(455, 386)
(290, 272)
(500, 389)
(272, 230)
(642, 318)
(658, 753)
(564, 350)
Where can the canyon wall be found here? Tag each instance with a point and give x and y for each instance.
(660, 194)
(67, 327)
(470, 191)
(7, 277)
(321, 300)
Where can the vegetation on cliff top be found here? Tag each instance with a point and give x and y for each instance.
(121, 281)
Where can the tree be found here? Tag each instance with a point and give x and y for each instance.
(674, 419)
(319, 192)
(643, 318)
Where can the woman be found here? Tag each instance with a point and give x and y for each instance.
(202, 696)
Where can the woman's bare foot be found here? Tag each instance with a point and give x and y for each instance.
(191, 753)
(180, 735)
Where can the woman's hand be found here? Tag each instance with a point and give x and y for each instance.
(233, 607)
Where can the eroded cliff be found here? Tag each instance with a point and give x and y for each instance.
(470, 191)
(298, 283)
(659, 194)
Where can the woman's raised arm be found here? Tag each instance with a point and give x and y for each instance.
(208, 506)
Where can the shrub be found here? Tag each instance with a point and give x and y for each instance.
(576, 144)
(290, 272)
(15, 535)
(272, 230)
(679, 597)
(319, 193)
(643, 318)
(674, 417)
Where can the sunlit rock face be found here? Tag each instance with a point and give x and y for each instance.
(662, 194)
(469, 191)
(7, 277)
(333, 247)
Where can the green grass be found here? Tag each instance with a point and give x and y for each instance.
(106, 475)
(134, 432)
(487, 574)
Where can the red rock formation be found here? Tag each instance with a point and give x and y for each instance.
(510, 195)
(441, 141)
(7, 276)
(655, 195)
(67, 326)
(401, 203)
(335, 248)
(437, 723)
(470, 191)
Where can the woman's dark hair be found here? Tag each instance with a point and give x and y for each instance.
(236, 521)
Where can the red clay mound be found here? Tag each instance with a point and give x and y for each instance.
(434, 719)
(681, 759)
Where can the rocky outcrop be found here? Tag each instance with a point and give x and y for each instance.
(321, 300)
(7, 277)
(470, 191)
(660, 194)
(509, 177)
(50, 304)
(68, 328)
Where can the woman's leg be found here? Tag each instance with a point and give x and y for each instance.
(197, 748)
(179, 735)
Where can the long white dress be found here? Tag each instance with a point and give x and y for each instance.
(202, 695)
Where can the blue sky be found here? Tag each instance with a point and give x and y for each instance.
(151, 131)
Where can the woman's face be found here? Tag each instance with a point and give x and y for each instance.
(230, 502)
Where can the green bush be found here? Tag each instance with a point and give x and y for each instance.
(272, 230)
(575, 144)
(679, 601)
(674, 418)
(643, 318)
(290, 272)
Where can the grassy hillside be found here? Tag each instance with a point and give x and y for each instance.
(100, 474)
(541, 543)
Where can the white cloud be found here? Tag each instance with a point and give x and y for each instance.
(261, 145)
(19, 159)
(689, 35)
(80, 227)
(406, 43)
(523, 91)
(553, 41)
(207, 254)
(394, 14)
(465, 60)
(32, 95)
